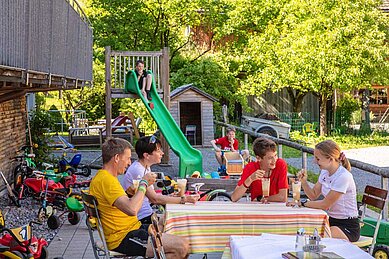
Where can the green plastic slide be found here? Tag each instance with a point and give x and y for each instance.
(190, 159)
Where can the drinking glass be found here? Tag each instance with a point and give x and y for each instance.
(296, 189)
(135, 184)
(265, 189)
(181, 185)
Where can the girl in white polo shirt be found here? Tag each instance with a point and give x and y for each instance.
(337, 185)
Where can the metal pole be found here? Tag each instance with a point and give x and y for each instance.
(384, 185)
(304, 161)
(246, 141)
(280, 150)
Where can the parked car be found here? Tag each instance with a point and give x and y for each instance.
(273, 128)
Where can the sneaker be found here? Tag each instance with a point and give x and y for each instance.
(148, 95)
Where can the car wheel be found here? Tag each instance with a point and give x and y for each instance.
(219, 196)
(268, 131)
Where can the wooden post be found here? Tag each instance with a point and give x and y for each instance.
(101, 137)
(134, 127)
(108, 101)
(166, 97)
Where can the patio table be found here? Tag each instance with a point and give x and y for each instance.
(208, 225)
(273, 246)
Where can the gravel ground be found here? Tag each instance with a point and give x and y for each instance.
(19, 216)
(15, 217)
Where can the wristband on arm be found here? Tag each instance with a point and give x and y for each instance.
(244, 184)
(143, 181)
(142, 188)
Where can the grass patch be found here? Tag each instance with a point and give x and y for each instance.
(345, 141)
(312, 177)
(289, 152)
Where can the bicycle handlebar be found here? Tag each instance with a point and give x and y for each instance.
(44, 174)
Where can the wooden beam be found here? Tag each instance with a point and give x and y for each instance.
(119, 93)
(136, 53)
(108, 101)
(11, 96)
(166, 98)
(134, 127)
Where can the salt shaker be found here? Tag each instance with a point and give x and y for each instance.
(300, 240)
(315, 238)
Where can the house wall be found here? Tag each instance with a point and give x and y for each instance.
(13, 129)
(206, 113)
(280, 102)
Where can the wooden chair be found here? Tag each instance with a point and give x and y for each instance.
(376, 198)
(93, 223)
(156, 238)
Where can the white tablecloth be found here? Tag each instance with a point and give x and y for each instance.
(272, 246)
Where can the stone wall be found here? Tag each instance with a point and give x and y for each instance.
(12, 133)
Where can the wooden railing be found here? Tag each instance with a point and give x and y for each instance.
(382, 172)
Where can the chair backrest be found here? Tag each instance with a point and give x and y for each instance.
(156, 238)
(308, 128)
(190, 129)
(93, 223)
(375, 197)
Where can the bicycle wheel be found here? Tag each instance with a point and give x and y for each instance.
(86, 170)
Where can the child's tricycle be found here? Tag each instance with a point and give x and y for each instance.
(20, 243)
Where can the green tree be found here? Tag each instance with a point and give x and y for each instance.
(314, 46)
(212, 75)
(141, 25)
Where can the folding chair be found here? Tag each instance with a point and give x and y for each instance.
(93, 223)
(156, 238)
(374, 197)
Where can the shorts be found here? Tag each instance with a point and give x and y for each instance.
(146, 220)
(350, 227)
(131, 247)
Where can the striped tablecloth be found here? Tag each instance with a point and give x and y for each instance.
(208, 225)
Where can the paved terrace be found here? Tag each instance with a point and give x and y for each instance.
(73, 241)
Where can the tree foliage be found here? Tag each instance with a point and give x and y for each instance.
(318, 46)
(213, 76)
(305, 46)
